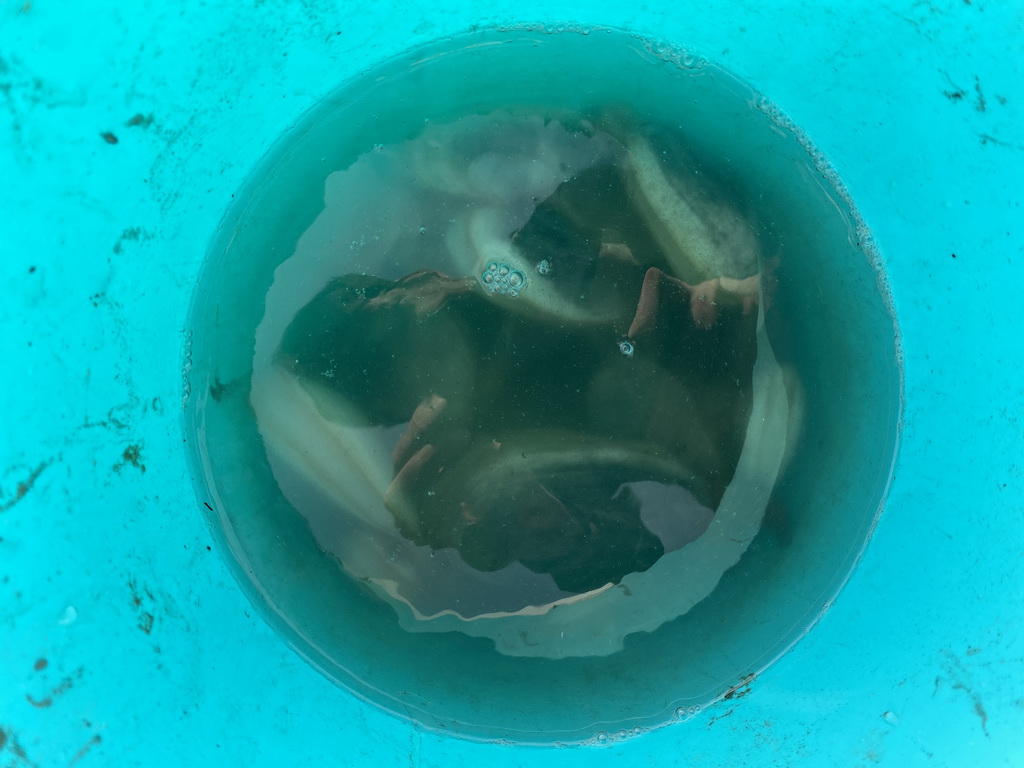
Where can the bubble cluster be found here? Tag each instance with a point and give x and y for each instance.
(862, 237)
(686, 713)
(672, 54)
(503, 280)
(604, 738)
(543, 267)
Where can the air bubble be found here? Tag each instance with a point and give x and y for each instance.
(687, 713)
(502, 280)
(627, 348)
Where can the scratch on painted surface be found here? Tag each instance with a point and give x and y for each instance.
(9, 741)
(22, 92)
(741, 689)
(714, 719)
(65, 685)
(960, 681)
(96, 739)
(25, 486)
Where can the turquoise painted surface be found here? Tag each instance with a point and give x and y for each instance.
(154, 657)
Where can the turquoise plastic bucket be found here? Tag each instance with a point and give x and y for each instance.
(125, 638)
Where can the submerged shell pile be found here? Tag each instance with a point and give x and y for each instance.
(567, 400)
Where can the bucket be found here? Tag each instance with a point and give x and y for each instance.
(126, 636)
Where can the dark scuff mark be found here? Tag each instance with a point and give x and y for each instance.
(716, 718)
(979, 103)
(109, 137)
(960, 681)
(25, 485)
(142, 600)
(956, 93)
(139, 120)
(131, 235)
(736, 692)
(56, 692)
(136, 595)
(40, 665)
(979, 710)
(21, 92)
(741, 689)
(96, 739)
(989, 139)
(9, 740)
(111, 420)
(132, 456)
